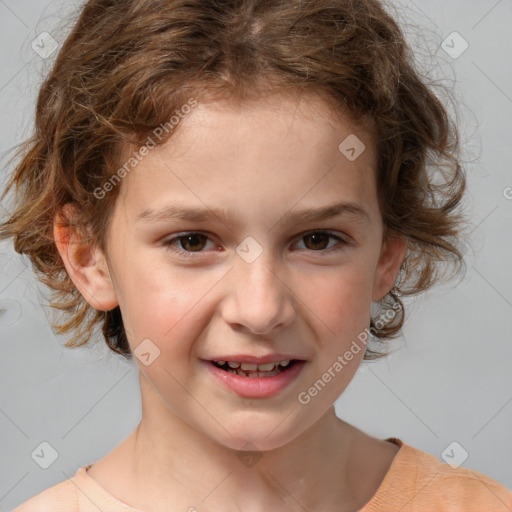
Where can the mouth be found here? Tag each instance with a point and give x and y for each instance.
(253, 370)
(267, 377)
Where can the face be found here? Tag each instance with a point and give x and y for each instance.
(254, 276)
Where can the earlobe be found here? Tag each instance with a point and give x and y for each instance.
(392, 255)
(85, 264)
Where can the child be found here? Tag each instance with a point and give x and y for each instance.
(227, 188)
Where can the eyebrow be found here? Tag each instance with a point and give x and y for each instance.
(170, 213)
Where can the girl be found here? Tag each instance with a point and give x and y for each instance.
(240, 193)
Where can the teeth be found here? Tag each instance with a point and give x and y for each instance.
(267, 367)
(249, 366)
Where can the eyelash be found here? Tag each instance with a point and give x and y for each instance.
(188, 254)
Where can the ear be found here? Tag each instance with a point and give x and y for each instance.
(394, 250)
(85, 263)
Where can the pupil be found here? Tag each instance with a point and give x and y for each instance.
(315, 236)
(193, 237)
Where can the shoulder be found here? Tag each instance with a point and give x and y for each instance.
(425, 483)
(61, 497)
(80, 493)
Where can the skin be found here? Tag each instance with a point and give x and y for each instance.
(260, 162)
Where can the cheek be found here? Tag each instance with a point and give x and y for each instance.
(158, 302)
(167, 305)
(340, 298)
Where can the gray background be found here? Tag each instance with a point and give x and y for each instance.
(449, 379)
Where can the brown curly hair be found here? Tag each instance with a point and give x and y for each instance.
(128, 65)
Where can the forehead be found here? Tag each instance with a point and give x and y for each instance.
(281, 147)
(308, 118)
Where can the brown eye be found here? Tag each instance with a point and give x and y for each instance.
(189, 243)
(193, 242)
(318, 240)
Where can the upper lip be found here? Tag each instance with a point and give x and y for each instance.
(248, 358)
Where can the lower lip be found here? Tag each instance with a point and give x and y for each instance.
(256, 387)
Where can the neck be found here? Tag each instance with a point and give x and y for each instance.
(175, 463)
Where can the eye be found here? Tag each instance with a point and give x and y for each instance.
(191, 242)
(195, 241)
(317, 240)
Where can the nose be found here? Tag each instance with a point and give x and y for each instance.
(258, 299)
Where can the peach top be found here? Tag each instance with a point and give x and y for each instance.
(416, 481)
